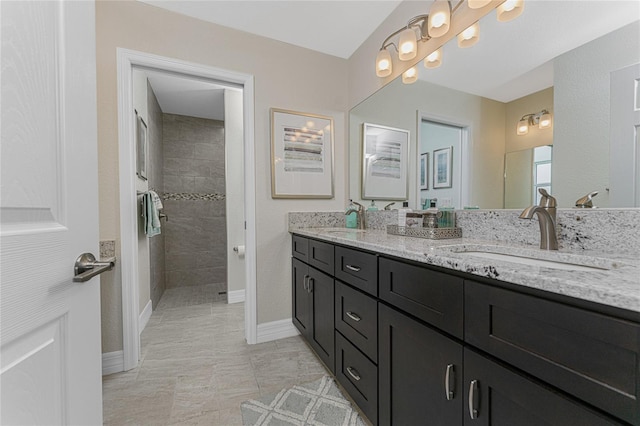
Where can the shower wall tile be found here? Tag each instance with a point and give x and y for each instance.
(195, 235)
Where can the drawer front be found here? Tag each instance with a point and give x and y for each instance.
(359, 376)
(357, 319)
(321, 256)
(592, 356)
(300, 248)
(358, 269)
(434, 297)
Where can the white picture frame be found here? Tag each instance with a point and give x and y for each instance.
(385, 163)
(142, 149)
(442, 165)
(301, 155)
(424, 171)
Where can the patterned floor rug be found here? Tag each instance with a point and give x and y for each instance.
(318, 403)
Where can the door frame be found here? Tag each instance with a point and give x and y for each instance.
(126, 60)
(465, 155)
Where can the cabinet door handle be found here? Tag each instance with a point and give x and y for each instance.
(310, 285)
(449, 376)
(353, 373)
(305, 283)
(473, 399)
(353, 268)
(353, 316)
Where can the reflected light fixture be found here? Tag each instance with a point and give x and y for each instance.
(470, 36)
(542, 119)
(433, 60)
(509, 10)
(410, 75)
(422, 28)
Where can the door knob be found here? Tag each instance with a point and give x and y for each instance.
(87, 267)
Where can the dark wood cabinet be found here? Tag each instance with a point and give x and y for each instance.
(498, 396)
(420, 373)
(358, 269)
(313, 306)
(357, 319)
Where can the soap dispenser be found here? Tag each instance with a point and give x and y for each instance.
(352, 218)
(373, 207)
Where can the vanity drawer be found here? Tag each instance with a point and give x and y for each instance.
(321, 256)
(357, 319)
(357, 268)
(592, 356)
(358, 375)
(300, 248)
(434, 297)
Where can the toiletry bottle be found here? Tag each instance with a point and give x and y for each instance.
(402, 214)
(373, 207)
(352, 218)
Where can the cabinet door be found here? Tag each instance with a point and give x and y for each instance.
(301, 298)
(420, 373)
(498, 396)
(321, 338)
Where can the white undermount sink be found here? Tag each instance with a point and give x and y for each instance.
(541, 258)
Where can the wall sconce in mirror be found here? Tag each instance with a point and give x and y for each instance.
(541, 119)
(436, 24)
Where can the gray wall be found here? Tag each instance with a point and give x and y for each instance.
(156, 183)
(194, 200)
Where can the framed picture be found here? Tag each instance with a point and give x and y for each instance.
(141, 148)
(424, 171)
(385, 161)
(301, 155)
(442, 163)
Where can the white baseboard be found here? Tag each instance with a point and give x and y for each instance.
(276, 330)
(112, 362)
(235, 296)
(144, 316)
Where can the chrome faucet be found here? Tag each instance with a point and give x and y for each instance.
(362, 223)
(388, 206)
(586, 202)
(546, 212)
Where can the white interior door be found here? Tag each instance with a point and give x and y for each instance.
(624, 148)
(50, 326)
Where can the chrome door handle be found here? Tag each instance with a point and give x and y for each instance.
(310, 286)
(353, 268)
(353, 373)
(473, 399)
(87, 267)
(353, 316)
(450, 374)
(305, 284)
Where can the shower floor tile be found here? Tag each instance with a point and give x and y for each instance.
(196, 368)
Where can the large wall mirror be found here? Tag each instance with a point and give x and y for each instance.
(473, 102)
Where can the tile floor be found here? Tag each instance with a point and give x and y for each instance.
(196, 368)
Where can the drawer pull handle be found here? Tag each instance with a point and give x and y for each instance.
(353, 373)
(448, 377)
(353, 268)
(473, 399)
(354, 316)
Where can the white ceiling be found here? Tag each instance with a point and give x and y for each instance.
(511, 59)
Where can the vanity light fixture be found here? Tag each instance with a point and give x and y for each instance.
(542, 119)
(434, 25)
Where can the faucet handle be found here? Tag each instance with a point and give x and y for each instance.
(547, 200)
(387, 207)
(360, 206)
(587, 200)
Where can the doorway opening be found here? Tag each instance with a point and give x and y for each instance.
(239, 88)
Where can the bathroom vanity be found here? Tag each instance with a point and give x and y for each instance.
(433, 332)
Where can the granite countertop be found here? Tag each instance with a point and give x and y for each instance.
(617, 284)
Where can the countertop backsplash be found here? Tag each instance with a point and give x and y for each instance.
(608, 230)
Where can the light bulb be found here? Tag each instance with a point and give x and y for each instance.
(384, 65)
(523, 127)
(478, 4)
(410, 75)
(408, 45)
(545, 120)
(439, 18)
(509, 10)
(434, 60)
(470, 36)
